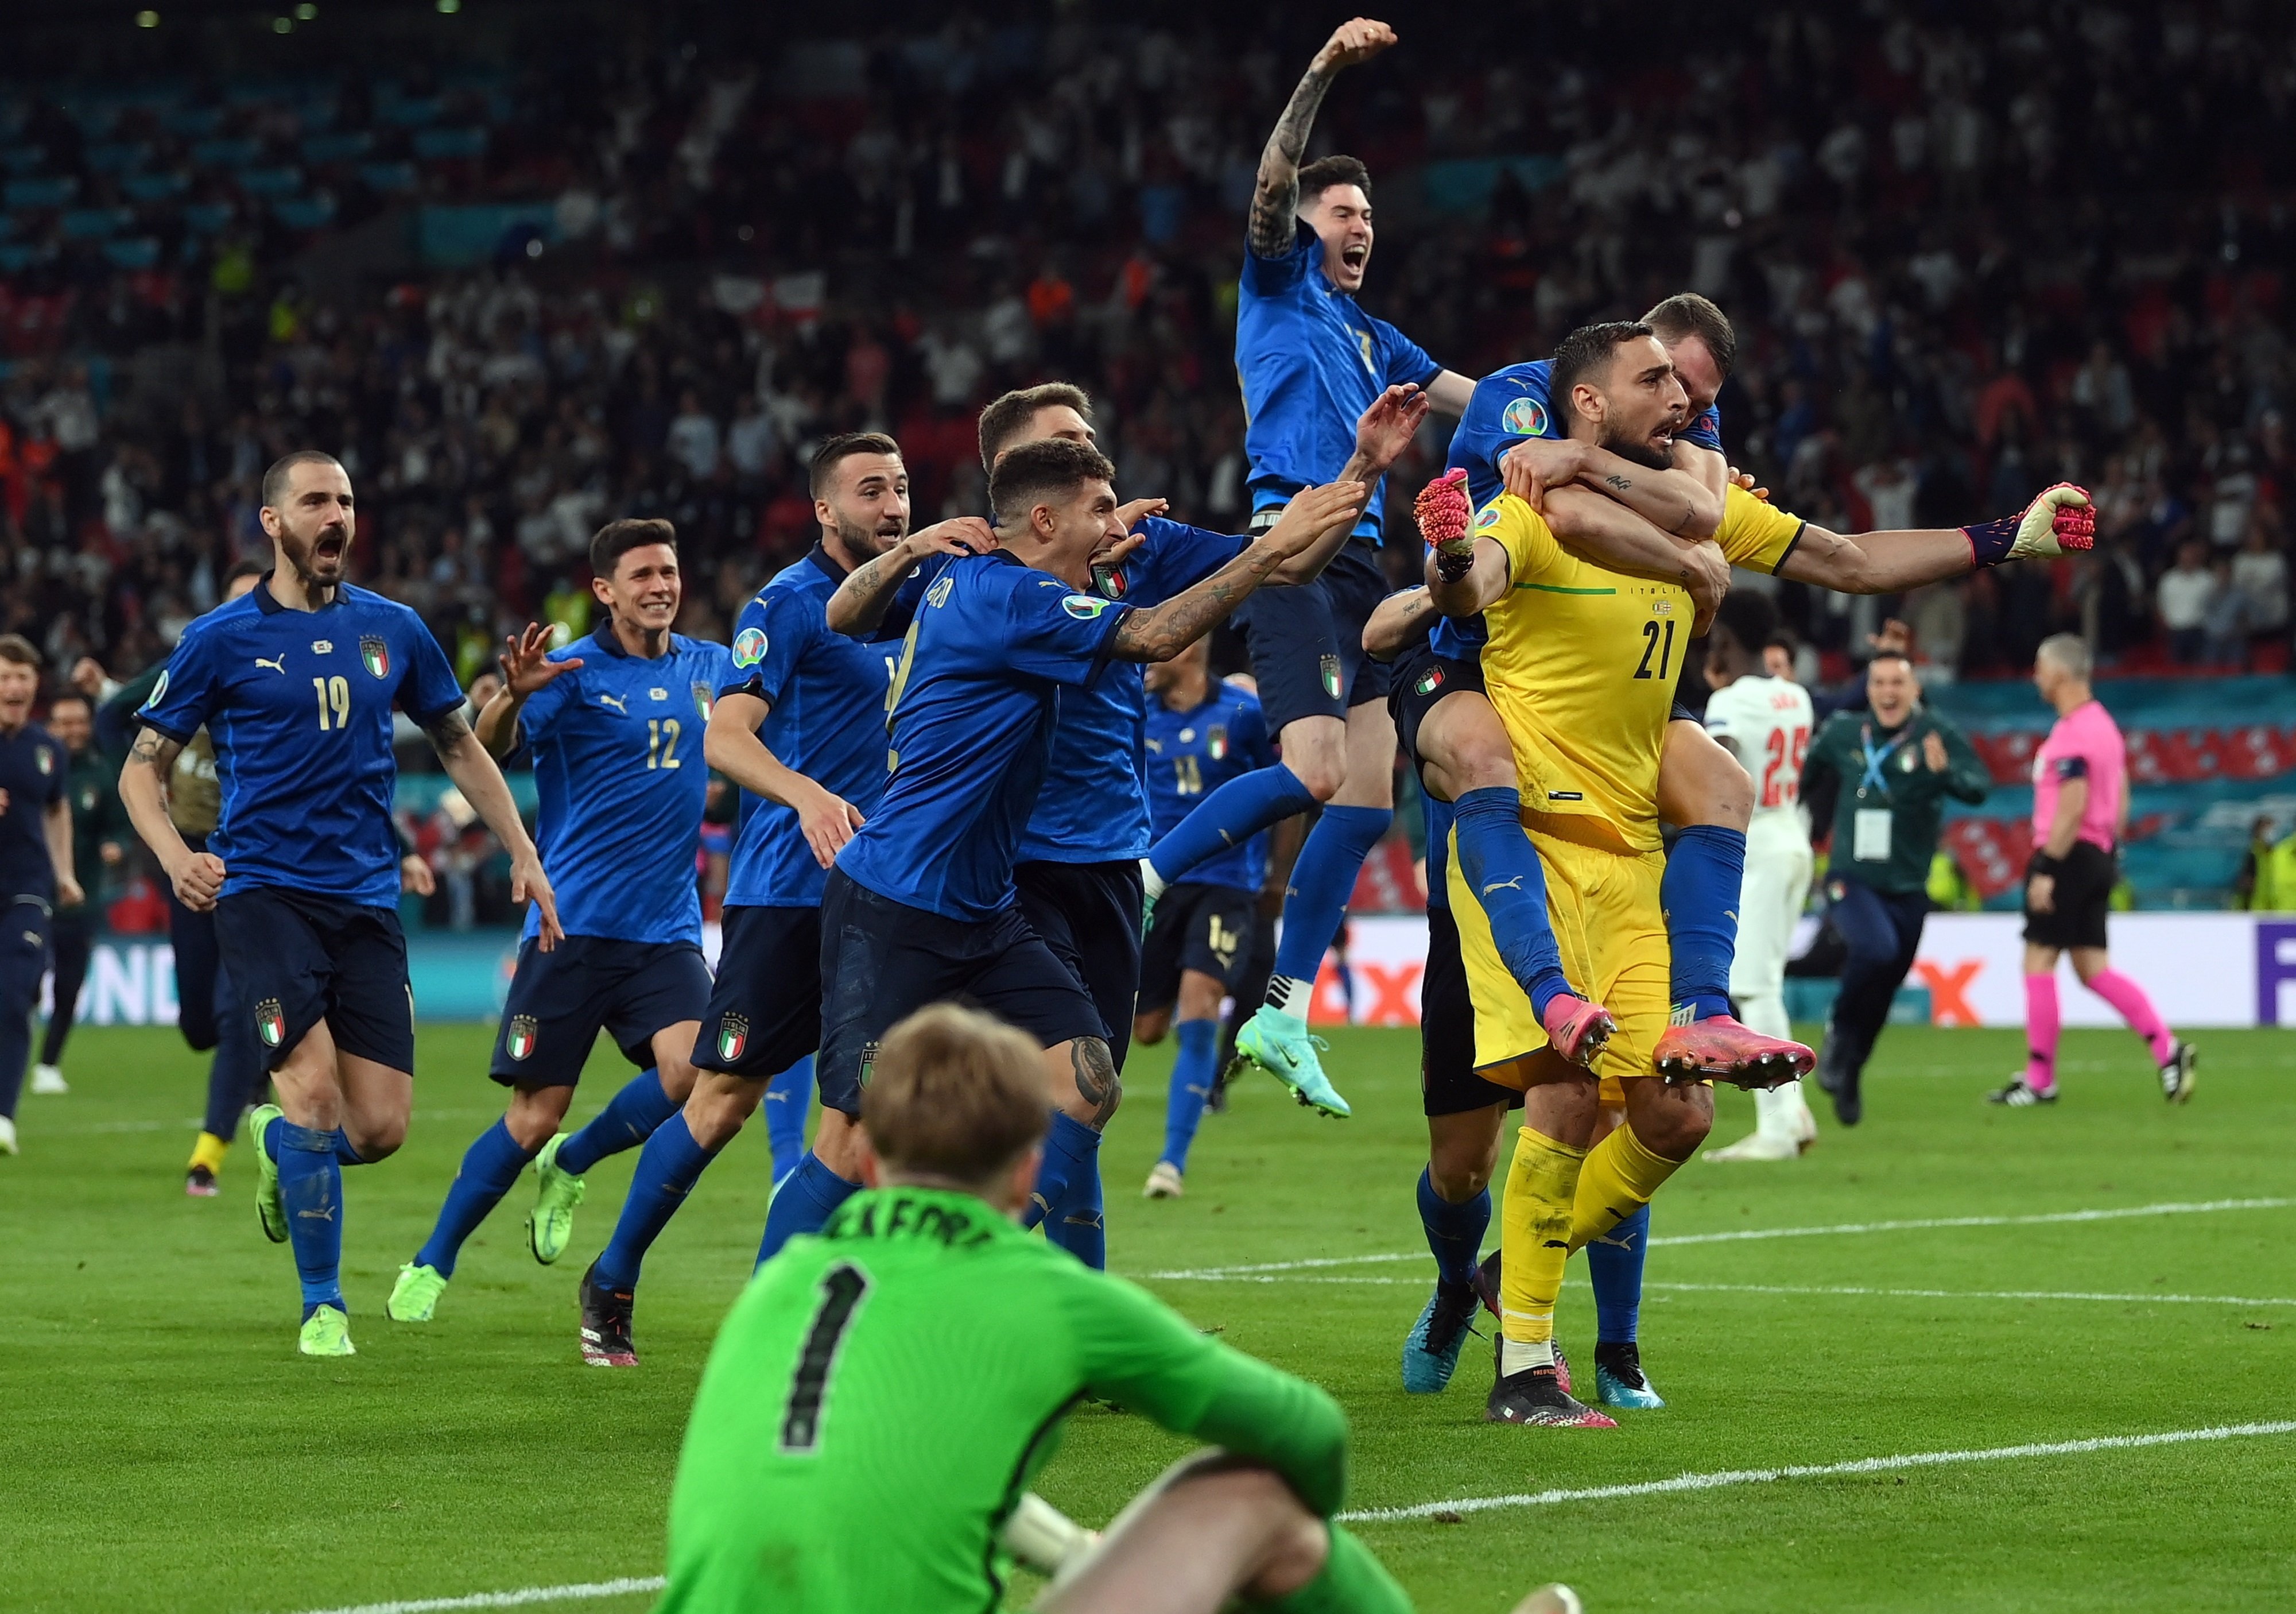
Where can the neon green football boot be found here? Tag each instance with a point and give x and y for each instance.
(326, 1332)
(550, 1224)
(269, 1208)
(415, 1296)
(1284, 1048)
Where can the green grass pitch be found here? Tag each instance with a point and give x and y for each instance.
(161, 1445)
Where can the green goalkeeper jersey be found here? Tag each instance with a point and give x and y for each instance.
(882, 1395)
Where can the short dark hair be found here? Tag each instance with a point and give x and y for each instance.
(274, 480)
(1585, 353)
(1033, 470)
(1687, 314)
(1324, 172)
(16, 648)
(617, 538)
(1751, 615)
(1004, 421)
(61, 695)
(246, 568)
(844, 447)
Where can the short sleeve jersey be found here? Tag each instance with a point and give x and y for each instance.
(2085, 744)
(32, 770)
(825, 1402)
(619, 772)
(977, 691)
(826, 719)
(1769, 722)
(1582, 663)
(1193, 752)
(1093, 808)
(1310, 362)
(298, 704)
(1508, 406)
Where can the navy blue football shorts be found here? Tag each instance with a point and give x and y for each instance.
(299, 958)
(560, 1000)
(882, 960)
(1447, 1083)
(765, 1012)
(1089, 915)
(1206, 928)
(1306, 639)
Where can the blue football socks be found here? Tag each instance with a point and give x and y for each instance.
(1193, 1070)
(1070, 1148)
(667, 1168)
(787, 1099)
(1455, 1232)
(1322, 882)
(1501, 866)
(1077, 1223)
(1704, 869)
(1228, 816)
(628, 1120)
(803, 1204)
(311, 1188)
(1614, 1263)
(490, 1167)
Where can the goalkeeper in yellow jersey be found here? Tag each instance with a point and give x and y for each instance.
(1580, 665)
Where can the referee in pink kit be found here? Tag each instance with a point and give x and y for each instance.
(2080, 810)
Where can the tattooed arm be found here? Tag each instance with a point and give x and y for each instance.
(478, 778)
(196, 876)
(866, 594)
(1276, 197)
(1400, 622)
(1160, 633)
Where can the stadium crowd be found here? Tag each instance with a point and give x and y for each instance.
(1971, 250)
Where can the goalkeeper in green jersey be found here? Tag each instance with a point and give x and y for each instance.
(881, 1396)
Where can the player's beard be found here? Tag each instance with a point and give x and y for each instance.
(302, 555)
(863, 541)
(1639, 450)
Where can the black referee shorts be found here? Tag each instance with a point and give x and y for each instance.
(2082, 899)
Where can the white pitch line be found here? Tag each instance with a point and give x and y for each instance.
(1965, 1294)
(1817, 1470)
(629, 1587)
(1839, 1229)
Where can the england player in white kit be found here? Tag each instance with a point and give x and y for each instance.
(1765, 723)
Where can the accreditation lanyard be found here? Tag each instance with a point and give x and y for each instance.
(1871, 780)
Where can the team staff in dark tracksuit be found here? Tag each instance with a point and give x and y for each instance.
(99, 835)
(1887, 768)
(35, 864)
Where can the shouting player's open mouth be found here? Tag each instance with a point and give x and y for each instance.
(328, 551)
(1355, 257)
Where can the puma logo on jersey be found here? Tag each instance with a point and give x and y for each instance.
(278, 666)
(615, 701)
(1514, 885)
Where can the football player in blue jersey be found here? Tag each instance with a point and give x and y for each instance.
(1309, 360)
(922, 905)
(295, 682)
(798, 726)
(1079, 872)
(614, 724)
(36, 863)
(1201, 734)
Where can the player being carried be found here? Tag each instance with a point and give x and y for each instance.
(295, 680)
(1311, 361)
(612, 723)
(1580, 664)
(826, 1399)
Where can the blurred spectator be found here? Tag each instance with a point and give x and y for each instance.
(2186, 593)
(2259, 576)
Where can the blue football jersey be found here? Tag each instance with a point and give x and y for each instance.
(973, 705)
(32, 769)
(826, 693)
(1311, 362)
(1093, 808)
(1511, 404)
(1193, 752)
(298, 704)
(618, 767)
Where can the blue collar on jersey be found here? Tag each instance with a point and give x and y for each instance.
(266, 603)
(820, 556)
(605, 637)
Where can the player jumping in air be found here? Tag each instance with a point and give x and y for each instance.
(295, 680)
(826, 1396)
(798, 725)
(36, 863)
(2080, 815)
(1311, 361)
(1580, 664)
(613, 723)
(1766, 723)
(1201, 733)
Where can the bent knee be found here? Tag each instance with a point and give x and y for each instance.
(1322, 775)
(1099, 1086)
(378, 1143)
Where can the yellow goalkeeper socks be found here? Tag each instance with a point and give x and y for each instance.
(1619, 1179)
(209, 1152)
(1535, 1217)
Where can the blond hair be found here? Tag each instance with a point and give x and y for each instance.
(955, 1093)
